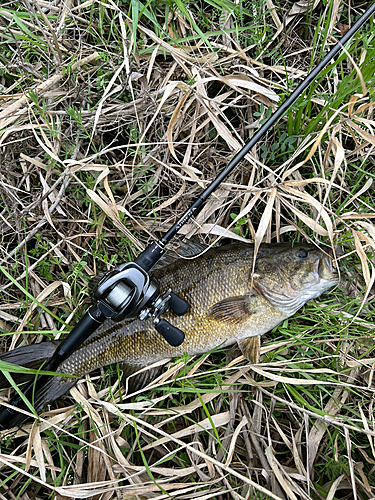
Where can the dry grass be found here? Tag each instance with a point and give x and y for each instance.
(111, 123)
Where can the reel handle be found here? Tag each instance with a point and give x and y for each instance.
(173, 335)
(178, 305)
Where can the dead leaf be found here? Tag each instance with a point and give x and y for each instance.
(343, 28)
(299, 8)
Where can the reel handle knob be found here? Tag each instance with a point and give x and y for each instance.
(178, 305)
(173, 335)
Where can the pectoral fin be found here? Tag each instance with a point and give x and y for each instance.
(250, 348)
(234, 310)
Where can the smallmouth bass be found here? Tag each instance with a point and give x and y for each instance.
(228, 304)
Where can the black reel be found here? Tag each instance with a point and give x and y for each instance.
(128, 291)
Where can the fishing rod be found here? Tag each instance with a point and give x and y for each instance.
(128, 290)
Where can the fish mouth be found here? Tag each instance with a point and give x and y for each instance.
(325, 270)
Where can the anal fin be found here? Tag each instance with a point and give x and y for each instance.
(134, 381)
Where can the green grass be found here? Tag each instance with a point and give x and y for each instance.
(102, 126)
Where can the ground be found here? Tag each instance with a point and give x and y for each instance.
(114, 115)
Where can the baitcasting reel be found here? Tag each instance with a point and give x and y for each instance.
(128, 291)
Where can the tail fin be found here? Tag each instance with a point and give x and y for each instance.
(29, 356)
(32, 356)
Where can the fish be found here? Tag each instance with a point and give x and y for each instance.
(232, 301)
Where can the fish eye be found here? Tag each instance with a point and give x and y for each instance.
(302, 254)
